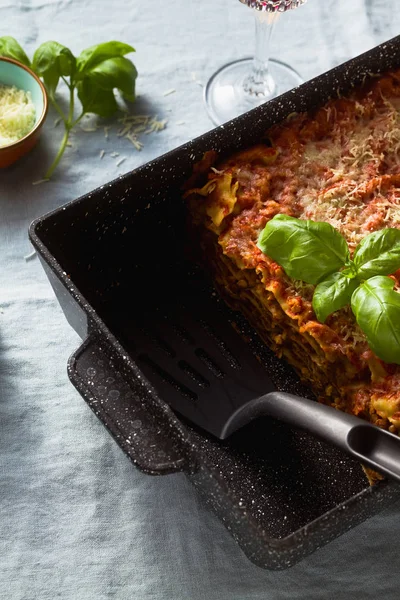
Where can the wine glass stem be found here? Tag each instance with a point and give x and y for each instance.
(260, 82)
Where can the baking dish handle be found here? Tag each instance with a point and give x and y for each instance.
(116, 399)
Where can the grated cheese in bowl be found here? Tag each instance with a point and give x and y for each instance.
(17, 114)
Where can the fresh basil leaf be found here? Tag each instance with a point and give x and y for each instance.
(307, 250)
(10, 48)
(378, 254)
(95, 99)
(51, 61)
(376, 307)
(93, 56)
(52, 54)
(119, 73)
(331, 294)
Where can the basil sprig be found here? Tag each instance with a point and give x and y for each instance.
(315, 252)
(92, 76)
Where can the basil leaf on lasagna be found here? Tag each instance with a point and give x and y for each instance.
(307, 250)
(332, 294)
(376, 307)
(378, 254)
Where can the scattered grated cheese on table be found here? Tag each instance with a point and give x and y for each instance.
(132, 125)
(195, 80)
(30, 256)
(168, 92)
(39, 181)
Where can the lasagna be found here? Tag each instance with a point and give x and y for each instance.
(339, 164)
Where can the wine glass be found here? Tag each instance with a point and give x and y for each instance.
(243, 84)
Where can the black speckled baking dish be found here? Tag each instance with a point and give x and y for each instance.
(115, 253)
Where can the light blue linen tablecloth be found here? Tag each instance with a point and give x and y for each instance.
(77, 521)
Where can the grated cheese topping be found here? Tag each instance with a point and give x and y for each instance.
(17, 114)
(350, 178)
(340, 165)
(355, 162)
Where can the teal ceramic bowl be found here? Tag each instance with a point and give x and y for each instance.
(13, 72)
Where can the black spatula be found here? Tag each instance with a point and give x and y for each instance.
(207, 373)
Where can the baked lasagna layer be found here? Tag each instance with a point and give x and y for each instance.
(339, 164)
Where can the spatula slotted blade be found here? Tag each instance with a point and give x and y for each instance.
(198, 364)
(208, 374)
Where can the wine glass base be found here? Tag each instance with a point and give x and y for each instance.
(226, 98)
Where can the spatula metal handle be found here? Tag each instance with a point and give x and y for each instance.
(371, 445)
